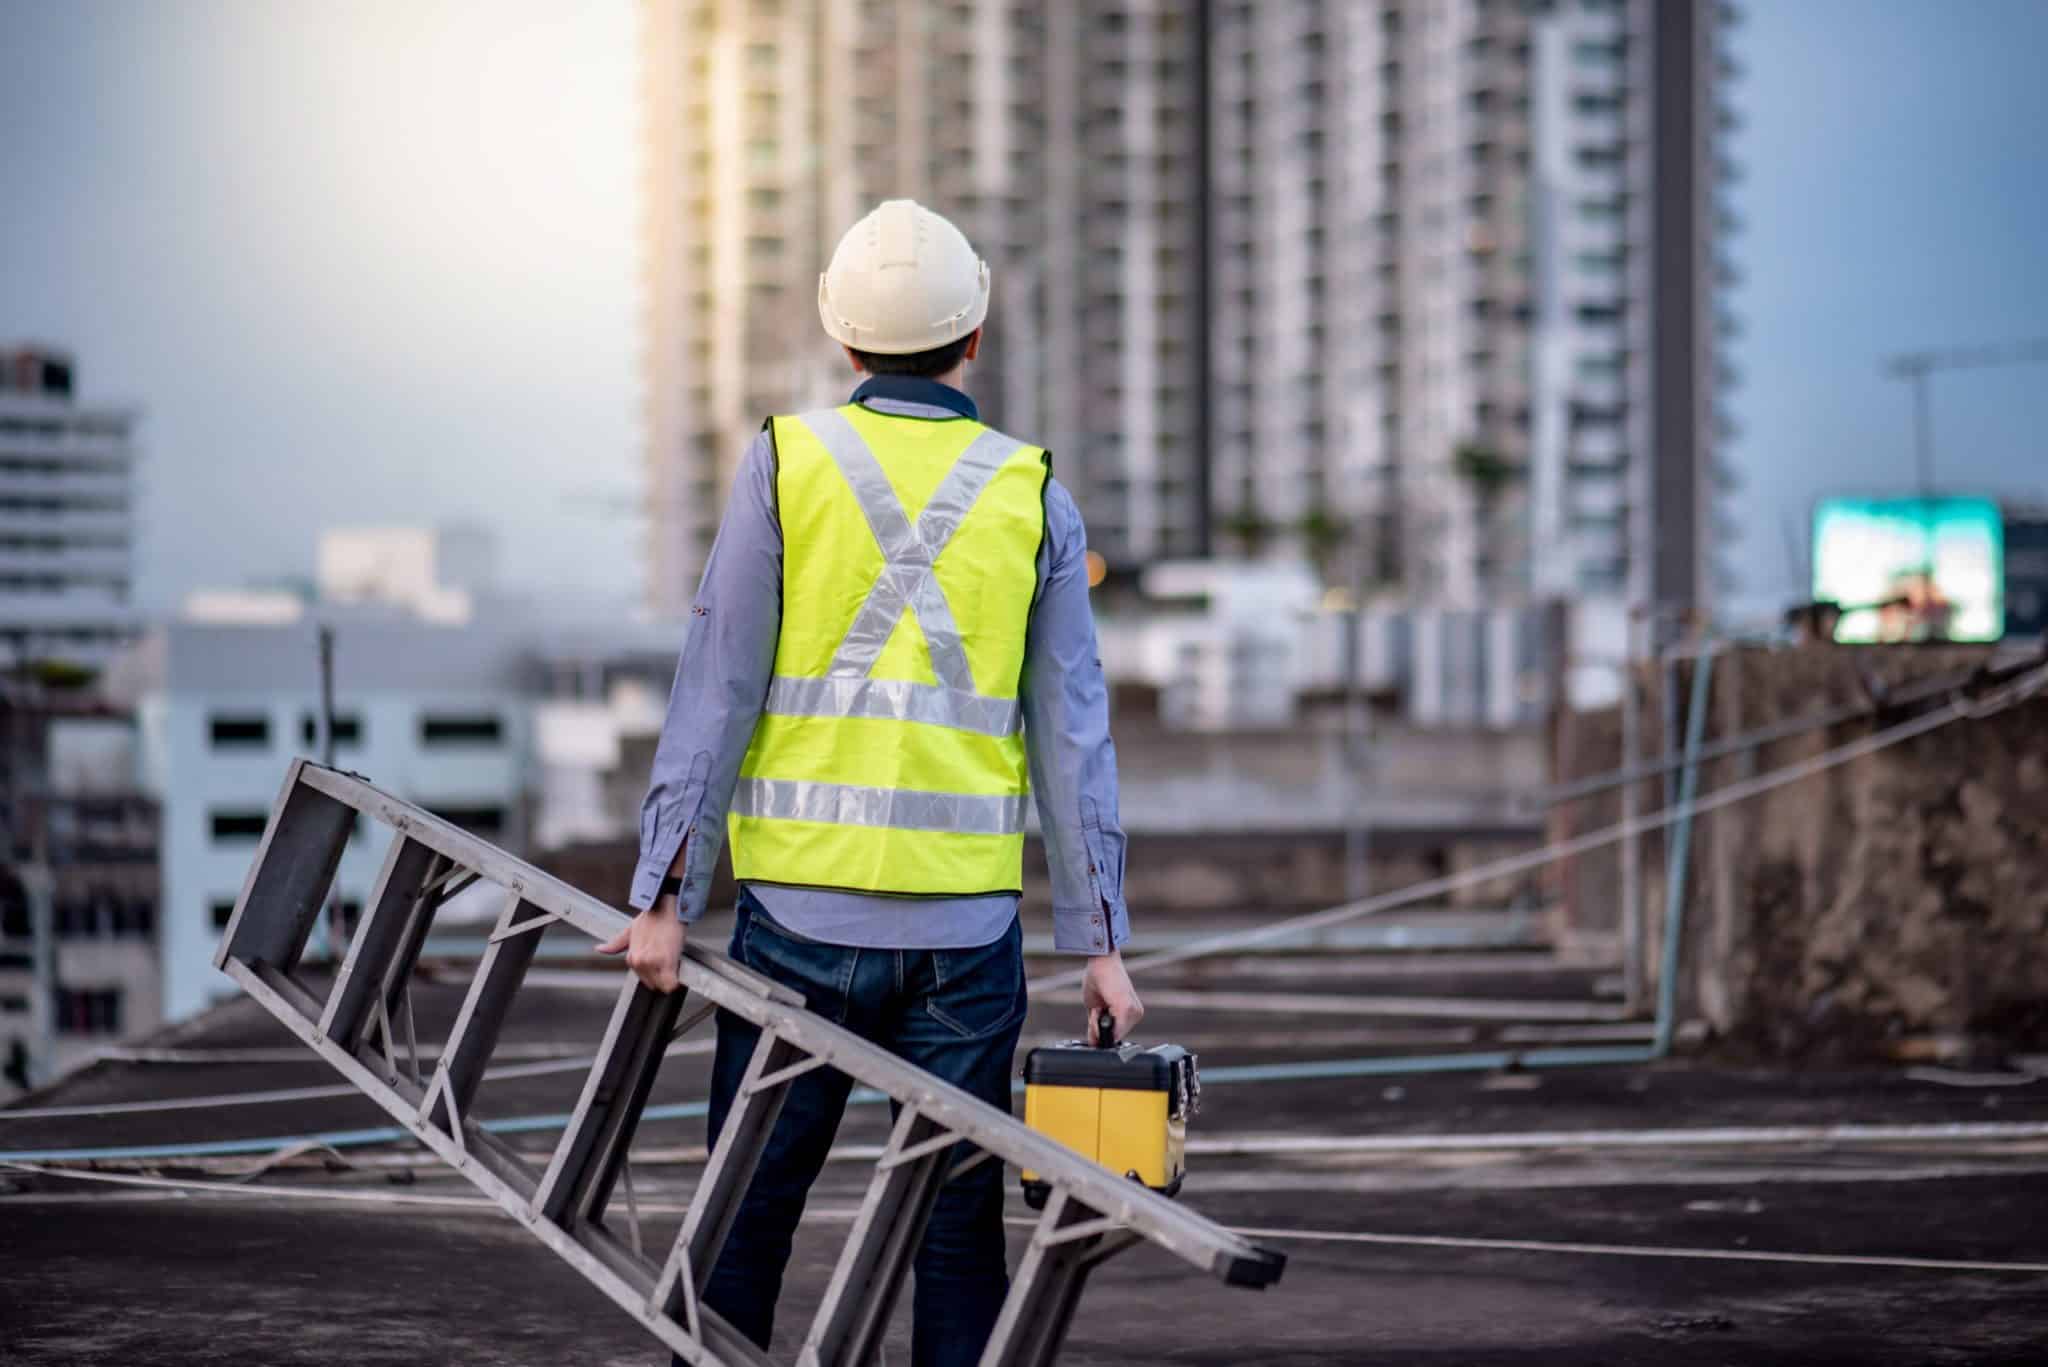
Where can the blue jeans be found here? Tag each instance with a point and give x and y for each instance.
(956, 1013)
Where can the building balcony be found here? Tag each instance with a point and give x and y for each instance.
(69, 562)
(64, 484)
(67, 446)
(69, 523)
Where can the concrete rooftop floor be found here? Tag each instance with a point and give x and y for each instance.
(317, 1262)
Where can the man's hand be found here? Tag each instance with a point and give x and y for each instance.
(653, 945)
(1106, 987)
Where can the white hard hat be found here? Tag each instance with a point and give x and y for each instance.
(902, 280)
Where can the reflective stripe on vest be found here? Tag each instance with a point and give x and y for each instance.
(902, 809)
(879, 766)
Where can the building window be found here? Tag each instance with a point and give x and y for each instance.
(102, 911)
(454, 730)
(240, 733)
(486, 822)
(223, 911)
(348, 729)
(238, 825)
(89, 1011)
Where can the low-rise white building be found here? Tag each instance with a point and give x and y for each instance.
(1242, 645)
(438, 715)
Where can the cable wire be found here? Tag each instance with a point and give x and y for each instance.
(2020, 689)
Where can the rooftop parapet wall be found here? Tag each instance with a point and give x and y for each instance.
(1891, 905)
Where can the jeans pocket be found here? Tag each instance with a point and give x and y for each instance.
(821, 972)
(979, 992)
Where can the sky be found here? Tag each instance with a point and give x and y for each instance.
(1892, 197)
(361, 263)
(376, 262)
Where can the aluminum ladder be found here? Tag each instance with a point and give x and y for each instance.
(1091, 1215)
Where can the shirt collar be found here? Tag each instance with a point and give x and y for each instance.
(916, 389)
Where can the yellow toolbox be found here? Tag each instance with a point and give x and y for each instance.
(1125, 1107)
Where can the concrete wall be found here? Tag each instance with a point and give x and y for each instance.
(1895, 905)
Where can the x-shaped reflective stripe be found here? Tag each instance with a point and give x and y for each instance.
(908, 552)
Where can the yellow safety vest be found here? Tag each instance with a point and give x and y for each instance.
(889, 757)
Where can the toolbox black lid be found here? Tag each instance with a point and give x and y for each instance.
(1126, 1066)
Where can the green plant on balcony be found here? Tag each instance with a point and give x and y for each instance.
(1252, 529)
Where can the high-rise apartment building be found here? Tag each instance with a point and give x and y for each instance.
(1063, 138)
(1465, 283)
(67, 516)
(1424, 288)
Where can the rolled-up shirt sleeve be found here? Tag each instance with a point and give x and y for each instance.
(1066, 740)
(721, 682)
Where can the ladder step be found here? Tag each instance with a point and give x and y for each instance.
(586, 1161)
(388, 934)
(288, 881)
(727, 1344)
(1045, 1289)
(498, 975)
(854, 1315)
(730, 1169)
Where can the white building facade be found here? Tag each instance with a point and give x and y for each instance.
(67, 515)
(438, 715)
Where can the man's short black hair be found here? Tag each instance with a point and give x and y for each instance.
(937, 361)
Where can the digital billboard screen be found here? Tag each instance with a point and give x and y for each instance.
(1909, 569)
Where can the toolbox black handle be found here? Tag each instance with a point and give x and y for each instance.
(1105, 1029)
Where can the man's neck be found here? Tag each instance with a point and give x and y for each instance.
(923, 389)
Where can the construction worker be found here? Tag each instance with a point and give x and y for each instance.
(892, 631)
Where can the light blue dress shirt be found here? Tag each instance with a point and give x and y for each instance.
(722, 678)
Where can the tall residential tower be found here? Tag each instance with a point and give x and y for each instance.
(1424, 288)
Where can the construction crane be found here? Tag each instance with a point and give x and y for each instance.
(1917, 366)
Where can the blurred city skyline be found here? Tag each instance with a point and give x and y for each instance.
(379, 264)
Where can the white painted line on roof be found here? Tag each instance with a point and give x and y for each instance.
(1758, 1255)
(1300, 1004)
(1729, 1136)
(1733, 1255)
(322, 1093)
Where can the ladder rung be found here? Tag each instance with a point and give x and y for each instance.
(726, 1175)
(382, 933)
(289, 879)
(499, 972)
(1046, 1287)
(886, 1233)
(586, 1161)
(726, 1343)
